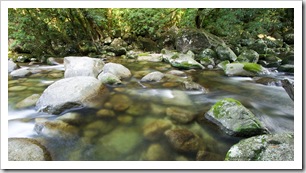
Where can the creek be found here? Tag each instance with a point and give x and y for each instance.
(270, 103)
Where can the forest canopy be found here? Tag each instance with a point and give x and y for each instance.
(61, 31)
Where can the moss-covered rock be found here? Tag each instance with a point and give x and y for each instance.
(273, 147)
(244, 69)
(235, 119)
(248, 56)
(181, 61)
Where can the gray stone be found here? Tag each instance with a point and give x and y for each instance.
(248, 56)
(225, 53)
(273, 147)
(234, 119)
(28, 102)
(12, 66)
(288, 85)
(22, 72)
(82, 66)
(245, 69)
(117, 69)
(153, 77)
(151, 58)
(109, 78)
(73, 92)
(25, 149)
(181, 61)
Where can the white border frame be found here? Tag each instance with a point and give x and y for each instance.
(296, 164)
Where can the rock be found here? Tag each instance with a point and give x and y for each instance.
(109, 78)
(131, 55)
(289, 38)
(270, 60)
(203, 155)
(82, 66)
(288, 85)
(117, 69)
(25, 149)
(207, 57)
(97, 127)
(106, 113)
(268, 81)
(151, 58)
(189, 85)
(120, 142)
(177, 73)
(156, 152)
(147, 44)
(244, 69)
(180, 115)
(73, 92)
(259, 46)
(28, 102)
(125, 119)
(22, 72)
(284, 68)
(12, 66)
(153, 77)
(55, 128)
(107, 40)
(248, 56)
(114, 50)
(23, 58)
(195, 40)
(72, 118)
(184, 141)
(181, 61)
(225, 53)
(52, 61)
(118, 42)
(234, 119)
(17, 88)
(273, 147)
(154, 130)
(120, 102)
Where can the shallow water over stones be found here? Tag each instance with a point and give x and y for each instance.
(135, 116)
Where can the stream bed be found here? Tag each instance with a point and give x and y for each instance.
(121, 135)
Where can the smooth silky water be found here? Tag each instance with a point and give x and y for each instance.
(121, 137)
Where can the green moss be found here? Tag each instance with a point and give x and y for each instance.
(144, 54)
(217, 107)
(252, 67)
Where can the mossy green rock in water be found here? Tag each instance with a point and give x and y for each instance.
(235, 119)
(275, 147)
(244, 69)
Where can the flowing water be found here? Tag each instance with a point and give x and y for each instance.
(90, 136)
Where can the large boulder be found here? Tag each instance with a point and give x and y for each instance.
(273, 147)
(195, 40)
(82, 66)
(25, 149)
(12, 66)
(117, 69)
(244, 69)
(69, 93)
(233, 118)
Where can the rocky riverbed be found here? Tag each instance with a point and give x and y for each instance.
(195, 104)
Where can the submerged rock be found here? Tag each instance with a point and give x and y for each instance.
(235, 119)
(73, 92)
(154, 130)
(25, 149)
(82, 66)
(120, 102)
(156, 152)
(273, 147)
(28, 102)
(181, 115)
(183, 140)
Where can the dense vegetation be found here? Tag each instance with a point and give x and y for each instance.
(61, 32)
